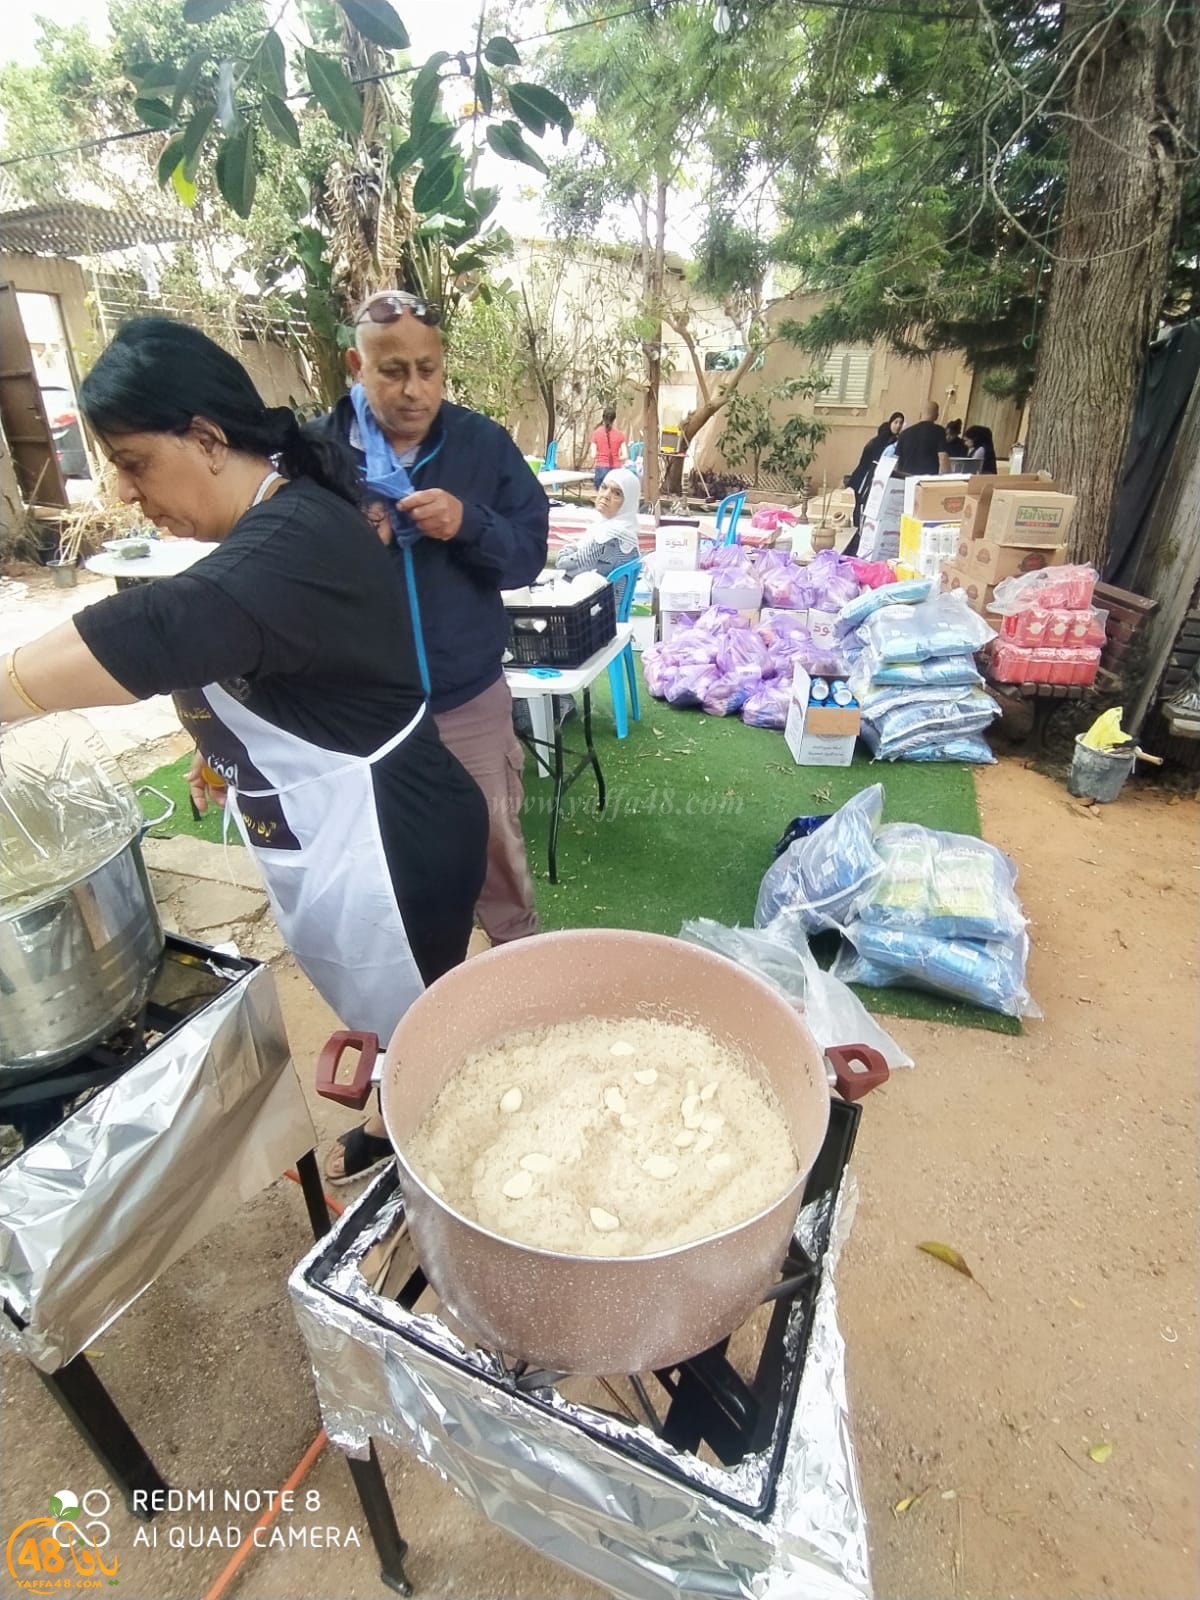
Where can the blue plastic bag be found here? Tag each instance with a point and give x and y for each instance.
(989, 973)
(821, 876)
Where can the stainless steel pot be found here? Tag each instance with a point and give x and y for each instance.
(76, 962)
(599, 1314)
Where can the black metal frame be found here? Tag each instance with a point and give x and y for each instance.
(563, 781)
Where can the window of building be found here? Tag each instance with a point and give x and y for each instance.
(848, 371)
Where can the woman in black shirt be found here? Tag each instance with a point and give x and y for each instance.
(293, 666)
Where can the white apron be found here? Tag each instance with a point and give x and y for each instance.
(329, 885)
(313, 827)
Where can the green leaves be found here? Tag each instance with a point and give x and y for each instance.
(334, 92)
(171, 157)
(483, 90)
(437, 185)
(279, 121)
(272, 65)
(204, 10)
(376, 21)
(188, 74)
(425, 94)
(501, 52)
(507, 140)
(236, 172)
(538, 107)
(153, 113)
(193, 137)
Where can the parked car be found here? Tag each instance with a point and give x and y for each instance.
(62, 414)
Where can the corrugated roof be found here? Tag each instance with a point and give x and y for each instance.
(69, 229)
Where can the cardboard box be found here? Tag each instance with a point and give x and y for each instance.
(995, 562)
(939, 499)
(977, 593)
(676, 549)
(819, 736)
(884, 507)
(980, 489)
(680, 590)
(643, 632)
(923, 543)
(1029, 517)
(671, 623)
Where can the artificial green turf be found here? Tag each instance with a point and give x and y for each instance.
(695, 806)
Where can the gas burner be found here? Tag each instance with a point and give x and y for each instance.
(33, 1103)
(717, 1423)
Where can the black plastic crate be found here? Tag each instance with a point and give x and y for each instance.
(562, 636)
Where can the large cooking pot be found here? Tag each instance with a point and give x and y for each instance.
(587, 1314)
(76, 962)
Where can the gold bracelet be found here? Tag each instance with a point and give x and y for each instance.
(19, 687)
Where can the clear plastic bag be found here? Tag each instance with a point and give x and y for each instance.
(970, 748)
(780, 955)
(65, 805)
(942, 626)
(948, 885)
(1052, 588)
(948, 671)
(909, 592)
(912, 726)
(821, 877)
(988, 973)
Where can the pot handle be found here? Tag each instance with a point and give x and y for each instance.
(154, 822)
(857, 1069)
(356, 1092)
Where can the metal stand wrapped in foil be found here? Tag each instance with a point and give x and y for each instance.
(98, 1207)
(545, 1472)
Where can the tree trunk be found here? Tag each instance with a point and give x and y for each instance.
(1134, 104)
(653, 274)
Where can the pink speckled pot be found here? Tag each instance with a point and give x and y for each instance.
(585, 1314)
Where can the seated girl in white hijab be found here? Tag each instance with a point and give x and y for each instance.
(613, 538)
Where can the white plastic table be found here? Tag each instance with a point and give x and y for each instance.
(558, 478)
(545, 740)
(167, 557)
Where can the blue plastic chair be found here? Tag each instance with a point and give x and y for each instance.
(622, 671)
(732, 504)
(551, 461)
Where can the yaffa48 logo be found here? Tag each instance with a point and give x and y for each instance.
(67, 1548)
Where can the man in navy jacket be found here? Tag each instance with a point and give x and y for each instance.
(483, 520)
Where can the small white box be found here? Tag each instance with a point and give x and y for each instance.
(819, 736)
(684, 590)
(643, 632)
(671, 623)
(676, 549)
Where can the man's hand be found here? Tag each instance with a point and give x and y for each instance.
(200, 787)
(438, 514)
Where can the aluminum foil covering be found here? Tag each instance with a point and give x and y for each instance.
(93, 1212)
(538, 1476)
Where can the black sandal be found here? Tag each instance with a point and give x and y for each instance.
(363, 1153)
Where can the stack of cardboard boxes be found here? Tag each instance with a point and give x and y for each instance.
(1009, 526)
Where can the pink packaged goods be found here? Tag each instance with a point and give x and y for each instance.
(1055, 628)
(1014, 663)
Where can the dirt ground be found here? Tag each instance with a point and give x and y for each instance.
(1062, 1165)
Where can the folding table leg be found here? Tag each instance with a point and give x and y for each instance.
(381, 1521)
(591, 748)
(95, 1417)
(559, 786)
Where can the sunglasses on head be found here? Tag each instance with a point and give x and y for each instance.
(391, 307)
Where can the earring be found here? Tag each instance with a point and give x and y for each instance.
(214, 467)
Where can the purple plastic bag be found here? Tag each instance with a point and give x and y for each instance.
(742, 657)
(767, 706)
(787, 587)
(832, 578)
